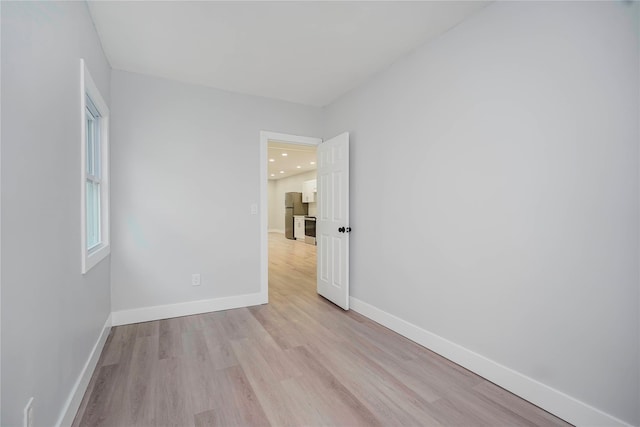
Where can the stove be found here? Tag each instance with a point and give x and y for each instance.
(310, 230)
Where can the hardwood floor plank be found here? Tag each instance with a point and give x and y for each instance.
(218, 344)
(265, 382)
(262, 353)
(236, 404)
(278, 326)
(173, 406)
(122, 337)
(96, 411)
(205, 418)
(147, 329)
(190, 323)
(324, 390)
(194, 346)
(170, 340)
(499, 396)
(221, 353)
(467, 407)
(389, 399)
(138, 408)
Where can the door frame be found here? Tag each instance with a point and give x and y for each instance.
(265, 137)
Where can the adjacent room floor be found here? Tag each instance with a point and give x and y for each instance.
(298, 360)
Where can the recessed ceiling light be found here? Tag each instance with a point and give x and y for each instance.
(281, 171)
(272, 160)
(298, 167)
(284, 154)
(312, 163)
(273, 174)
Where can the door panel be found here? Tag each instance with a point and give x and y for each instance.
(323, 258)
(332, 225)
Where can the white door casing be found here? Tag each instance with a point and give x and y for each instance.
(332, 224)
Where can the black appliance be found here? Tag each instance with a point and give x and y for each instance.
(310, 230)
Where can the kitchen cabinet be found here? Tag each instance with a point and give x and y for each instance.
(309, 190)
(298, 227)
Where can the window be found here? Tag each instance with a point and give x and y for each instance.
(95, 173)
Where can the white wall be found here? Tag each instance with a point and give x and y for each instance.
(185, 173)
(497, 193)
(51, 314)
(276, 197)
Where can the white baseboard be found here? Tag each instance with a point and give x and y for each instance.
(275, 230)
(147, 314)
(74, 400)
(550, 399)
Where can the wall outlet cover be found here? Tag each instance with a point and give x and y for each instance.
(195, 279)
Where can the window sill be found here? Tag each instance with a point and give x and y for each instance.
(94, 257)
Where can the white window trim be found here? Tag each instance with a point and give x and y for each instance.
(87, 87)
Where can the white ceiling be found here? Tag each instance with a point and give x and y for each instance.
(305, 52)
(289, 159)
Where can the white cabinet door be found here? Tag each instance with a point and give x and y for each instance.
(309, 191)
(298, 227)
(306, 194)
(332, 224)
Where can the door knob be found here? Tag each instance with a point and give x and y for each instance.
(348, 230)
(341, 230)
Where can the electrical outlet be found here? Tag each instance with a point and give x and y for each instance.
(254, 209)
(195, 279)
(27, 420)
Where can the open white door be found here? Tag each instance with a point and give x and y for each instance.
(332, 223)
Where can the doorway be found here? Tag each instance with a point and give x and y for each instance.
(284, 145)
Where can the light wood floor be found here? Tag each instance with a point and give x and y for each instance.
(297, 361)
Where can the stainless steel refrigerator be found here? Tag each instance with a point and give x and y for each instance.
(293, 206)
